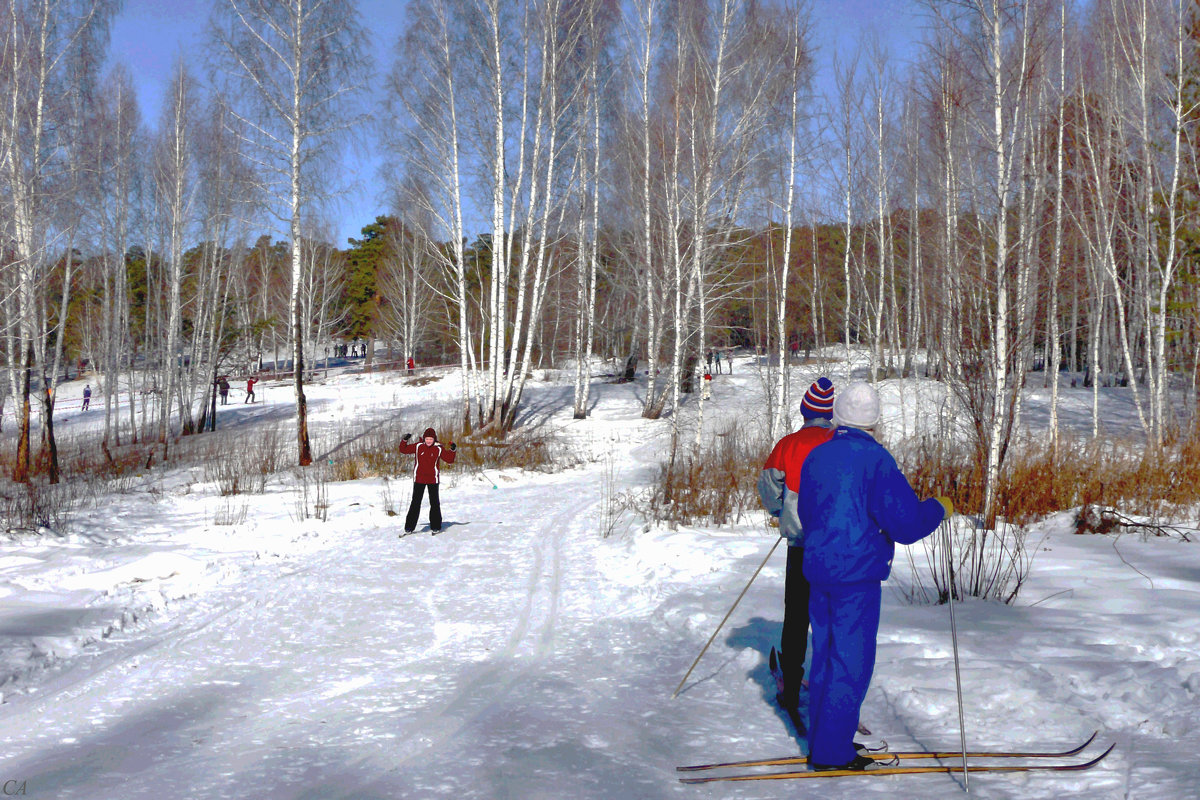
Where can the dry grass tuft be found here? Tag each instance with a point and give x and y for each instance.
(376, 453)
(1038, 481)
(715, 484)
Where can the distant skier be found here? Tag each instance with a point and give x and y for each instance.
(223, 389)
(778, 488)
(854, 505)
(87, 396)
(426, 475)
(412, 365)
(717, 361)
(250, 390)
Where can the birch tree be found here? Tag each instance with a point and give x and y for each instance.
(41, 69)
(406, 280)
(116, 172)
(175, 183)
(797, 66)
(587, 238)
(845, 112)
(996, 36)
(224, 196)
(300, 65)
(1054, 344)
(427, 149)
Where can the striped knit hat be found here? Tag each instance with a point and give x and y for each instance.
(818, 400)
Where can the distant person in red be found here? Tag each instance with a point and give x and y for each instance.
(426, 476)
(250, 390)
(411, 365)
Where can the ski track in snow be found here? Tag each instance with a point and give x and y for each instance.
(519, 654)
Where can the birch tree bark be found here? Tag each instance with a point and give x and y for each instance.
(300, 65)
(429, 148)
(174, 185)
(41, 65)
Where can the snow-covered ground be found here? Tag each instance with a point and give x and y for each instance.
(154, 653)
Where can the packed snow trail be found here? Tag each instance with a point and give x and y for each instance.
(368, 665)
(348, 668)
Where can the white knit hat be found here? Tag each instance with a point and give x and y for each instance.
(857, 406)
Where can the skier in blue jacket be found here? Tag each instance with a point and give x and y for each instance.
(854, 505)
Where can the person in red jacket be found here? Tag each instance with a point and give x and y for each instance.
(426, 476)
(778, 488)
(250, 390)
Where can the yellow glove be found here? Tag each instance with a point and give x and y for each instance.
(947, 504)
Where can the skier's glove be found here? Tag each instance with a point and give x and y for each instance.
(406, 437)
(947, 504)
(453, 447)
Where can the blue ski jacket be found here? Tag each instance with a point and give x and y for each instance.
(855, 504)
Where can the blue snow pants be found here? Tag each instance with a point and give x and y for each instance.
(845, 622)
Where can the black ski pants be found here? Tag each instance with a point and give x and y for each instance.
(435, 510)
(794, 642)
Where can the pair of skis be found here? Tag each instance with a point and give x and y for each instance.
(894, 767)
(413, 532)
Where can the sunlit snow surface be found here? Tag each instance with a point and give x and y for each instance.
(151, 653)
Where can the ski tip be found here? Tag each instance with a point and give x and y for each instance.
(1103, 755)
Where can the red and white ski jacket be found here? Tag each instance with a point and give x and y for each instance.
(428, 456)
(779, 483)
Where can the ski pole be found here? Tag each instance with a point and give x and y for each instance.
(727, 615)
(962, 729)
(489, 480)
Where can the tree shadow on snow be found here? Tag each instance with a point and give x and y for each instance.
(369, 430)
(539, 405)
(57, 621)
(101, 763)
(238, 414)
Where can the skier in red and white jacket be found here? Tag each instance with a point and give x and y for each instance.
(426, 475)
(778, 488)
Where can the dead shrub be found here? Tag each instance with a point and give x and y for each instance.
(1094, 519)
(716, 483)
(375, 452)
(242, 465)
(964, 558)
(312, 493)
(230, 513)
(349, 469)
(391, 506)
(1038, 480)
(359, 454)
(38, 506)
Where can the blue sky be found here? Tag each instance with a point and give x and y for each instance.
(149, 35)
